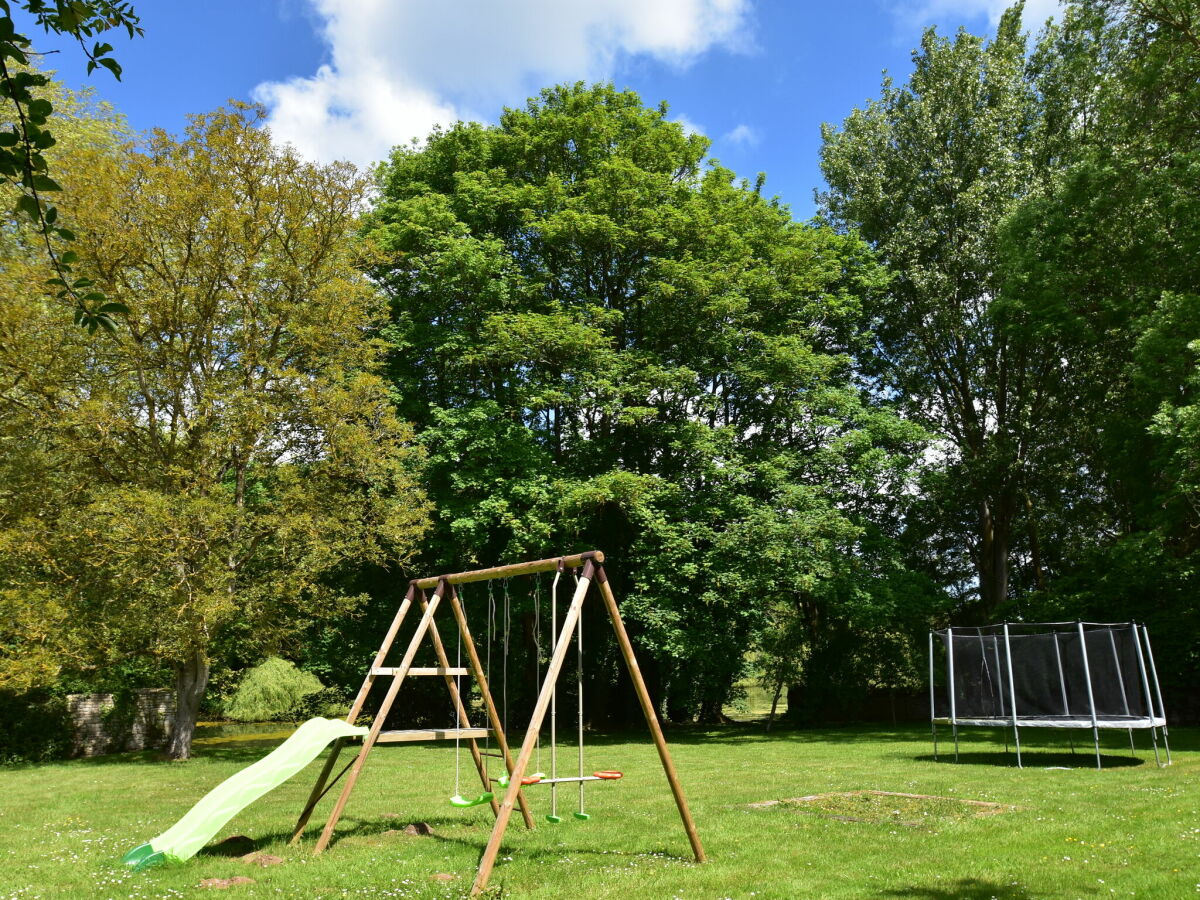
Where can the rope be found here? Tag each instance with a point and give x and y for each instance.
(491, 626)
(554, 696)
(507, 629)
(579, 692)
(537, 659)
(457, 717)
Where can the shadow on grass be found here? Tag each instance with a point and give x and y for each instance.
(1033, 759)
(963, 889)
(366, 828)
(250, 749)
(744, 733)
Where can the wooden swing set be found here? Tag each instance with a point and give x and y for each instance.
(517, 776)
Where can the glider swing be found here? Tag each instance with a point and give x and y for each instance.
(540, 777)
(517, 775)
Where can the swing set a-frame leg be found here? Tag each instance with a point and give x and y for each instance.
(380, 717)
(639, 684)
(444, 661)
(561, 647)
(318, 790)
(489, 704)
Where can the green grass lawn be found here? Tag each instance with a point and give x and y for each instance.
(1130, 830)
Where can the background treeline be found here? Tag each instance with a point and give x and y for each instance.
(966, 391)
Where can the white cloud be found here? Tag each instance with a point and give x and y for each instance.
(743, 135)
(398, 67)
(949, 14)
(689, 127)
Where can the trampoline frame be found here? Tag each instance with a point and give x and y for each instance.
(1009, 718)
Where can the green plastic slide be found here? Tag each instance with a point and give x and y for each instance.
(235, 793)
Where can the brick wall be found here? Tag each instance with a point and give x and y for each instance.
(142, 721)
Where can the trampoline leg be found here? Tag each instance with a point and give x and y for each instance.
(1154, 738)
(1096, 738)
(1132, 749)
(1017, 741)
(956, 743)
(1071, 741)
(933, 728)
(1167, 745)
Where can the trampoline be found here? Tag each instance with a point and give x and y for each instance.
(1070, 675)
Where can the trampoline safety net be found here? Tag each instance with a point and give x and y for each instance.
(1056, 671)
(1046, 675)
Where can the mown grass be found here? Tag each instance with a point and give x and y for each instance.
(1130, 830)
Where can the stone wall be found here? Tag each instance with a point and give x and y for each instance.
(141, 721)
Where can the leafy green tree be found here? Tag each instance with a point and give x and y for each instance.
(927, 174)
(606, 342)
(23, 163)
(1105, 251)
(214, 464)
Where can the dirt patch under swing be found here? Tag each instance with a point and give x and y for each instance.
(888, 807)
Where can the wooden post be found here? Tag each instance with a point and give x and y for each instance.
(377, 725)
(489, 704)
(639, 684)
(459, 707)
(355, 709)
(531, 733)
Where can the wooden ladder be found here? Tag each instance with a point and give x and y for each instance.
(465, 731)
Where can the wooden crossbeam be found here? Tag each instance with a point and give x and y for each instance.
(409, 735)
(526, 568)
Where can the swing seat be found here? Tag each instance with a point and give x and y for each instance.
(609, 775)
(465, 803)
(528, 779)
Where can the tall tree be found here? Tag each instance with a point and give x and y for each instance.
(926, 174)
(607, 342)
(1106, 250)
(209, 468)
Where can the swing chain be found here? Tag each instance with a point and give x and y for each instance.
(457, 714)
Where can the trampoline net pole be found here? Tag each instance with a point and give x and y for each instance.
(932, 701)
(1062, 687)
(1112, 640)
(1157, 691)
(950, 685)
(1146, 690)
(999, 685)
(1012, 695)
(1087, 679)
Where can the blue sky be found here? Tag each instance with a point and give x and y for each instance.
(350, 78)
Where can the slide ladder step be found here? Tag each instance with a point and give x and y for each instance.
(429, 734)
(435, 670)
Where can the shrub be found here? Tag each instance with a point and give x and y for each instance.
(329, 702)
(34, 727)
(273, 690)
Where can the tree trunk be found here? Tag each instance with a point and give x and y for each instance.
(775, 702)
(191, 678)
(992, 559)
(1035, 549)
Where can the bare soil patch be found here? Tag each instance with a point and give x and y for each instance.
(888, 807)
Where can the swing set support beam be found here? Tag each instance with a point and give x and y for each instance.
(525, 568)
